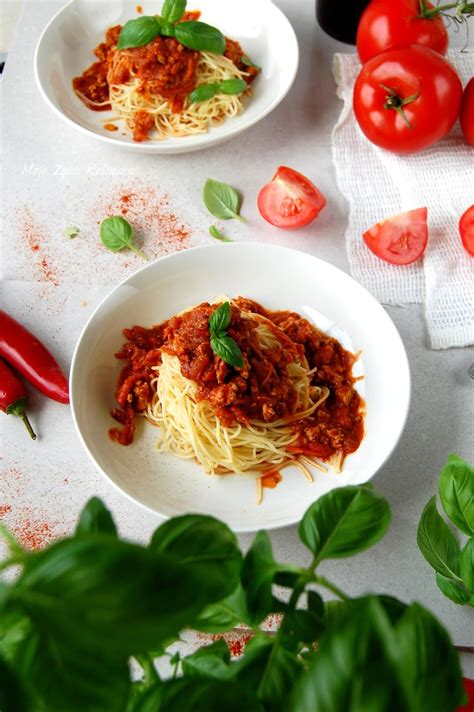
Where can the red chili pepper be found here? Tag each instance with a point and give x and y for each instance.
(14, 396)
(27, 354)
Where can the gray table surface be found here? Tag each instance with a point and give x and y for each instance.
(297, 133)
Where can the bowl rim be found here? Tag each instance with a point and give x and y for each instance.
(239, 529)
(201, 141)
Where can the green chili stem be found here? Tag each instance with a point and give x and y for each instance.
(27, 425)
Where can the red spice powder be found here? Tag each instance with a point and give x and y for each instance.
(34, 534)
(156, 225)
(4, 509)
(235, 641)
(35, 240)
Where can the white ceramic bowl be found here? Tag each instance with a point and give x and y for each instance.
(278, 278)
(65, 50)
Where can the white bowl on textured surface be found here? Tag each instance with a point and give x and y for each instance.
(278, 278)
(65, 50)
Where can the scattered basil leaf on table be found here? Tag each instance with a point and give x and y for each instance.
(467, 565)
(116, 234)
(456, 491)
(437, 543)
(454, 590)
(217, 235)
(222, 200)
(71, 232)
(173, 10)
(200, 36)
(139, 31)
(345, 522)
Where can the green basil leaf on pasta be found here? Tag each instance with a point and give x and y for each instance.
(248, 62)
(200, 36)
(437, 543)
(116, 234)
(232, 86)
(173, 10)
(138, 32)
(456, 491)
(227, 349)
(203, 93)
(221, 200)
(219, 319)
(345, 522)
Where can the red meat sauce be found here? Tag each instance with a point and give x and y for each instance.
(164, 66)
(261, 390)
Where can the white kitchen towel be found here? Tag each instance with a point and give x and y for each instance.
(379, 184)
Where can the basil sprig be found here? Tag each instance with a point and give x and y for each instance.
(222, 344)
(222, 200)
(116, 234)
(209, 91)
(193, 34)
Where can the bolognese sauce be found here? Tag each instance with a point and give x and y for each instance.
(261, 390)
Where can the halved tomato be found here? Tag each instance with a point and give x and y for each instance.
(290, 200)
(400, 239)
(466, 230)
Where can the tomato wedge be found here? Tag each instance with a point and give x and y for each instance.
(466, 230)
(290, 200)
(400, 239)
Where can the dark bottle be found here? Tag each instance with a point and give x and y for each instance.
(339, 18)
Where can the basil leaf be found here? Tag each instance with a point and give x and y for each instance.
(456, 491)
(224, 615)
(205, 543)
(227, 349)
(344, 522)
(437, 543)
(218, 235)
(220, 319)
(454, 590)
(354, 668)
(211, 662)
(232, 86)
(173, 10)
(95, 519)
(467, 565)
(428, 663)
(116, 234)
(258, 571)
(13, 695)
(199, 36)
(194, 694)
(221, 200)
(204, 92)
(138, 32)
(305, 625)
(248, 62)
(71, 232)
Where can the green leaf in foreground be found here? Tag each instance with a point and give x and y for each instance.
(344, 522)
(95, 518)
(200, 36)
(221, 200)
(456, 491)
(211, 661)
(437, 543)
(454, 590)
(116, 234)
(138, 32)
(217, 235)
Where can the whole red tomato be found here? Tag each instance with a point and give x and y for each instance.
(407, 98)
(466, 116)
(391, 23)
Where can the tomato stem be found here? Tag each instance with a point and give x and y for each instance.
(462, 8)
(396, 102)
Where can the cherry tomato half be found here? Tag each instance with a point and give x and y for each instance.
(407, 98)
(390, 23)
(400, 239)
(290, 200)
(466, 117)
(466, 230)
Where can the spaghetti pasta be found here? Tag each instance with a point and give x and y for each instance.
(290, 401)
